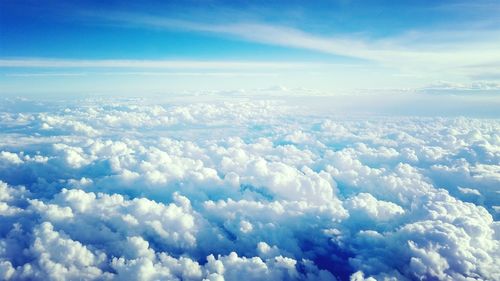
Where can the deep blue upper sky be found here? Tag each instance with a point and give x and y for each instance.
(80, 30)
(400, 38)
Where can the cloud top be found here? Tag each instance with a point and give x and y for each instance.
(124, 189)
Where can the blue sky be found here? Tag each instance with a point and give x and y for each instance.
(88, 46)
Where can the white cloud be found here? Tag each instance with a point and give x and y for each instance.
(474, 86)
(148, 64)
(375, 209)
(120, 189)
(425, 50)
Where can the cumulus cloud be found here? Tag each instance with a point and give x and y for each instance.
(129, 189)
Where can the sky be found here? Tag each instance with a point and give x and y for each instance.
(331, 46)
(255, 140)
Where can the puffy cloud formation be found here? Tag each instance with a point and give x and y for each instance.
(124, 189)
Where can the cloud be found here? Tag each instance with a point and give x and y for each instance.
(477, 88)
(44, 74)
(148, 64)
(114, 189)
(423, 50)
(466, 52)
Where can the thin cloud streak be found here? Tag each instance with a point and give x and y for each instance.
(141, 73)
(44, 74)
(425, 50)
(161, 64)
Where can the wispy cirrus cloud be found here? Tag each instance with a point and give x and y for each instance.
(163, 64)
(45, 74)
(441, 50)
(444, 48)
(140, 73)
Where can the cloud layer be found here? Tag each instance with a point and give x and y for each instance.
(444, 47)
(121, 189)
